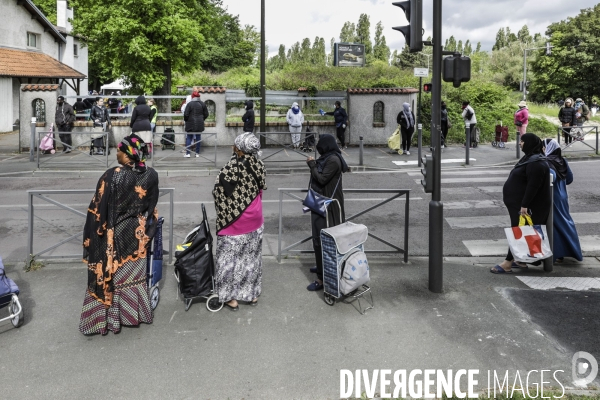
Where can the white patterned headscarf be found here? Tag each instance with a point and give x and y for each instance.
(248, 143)
(551, 145)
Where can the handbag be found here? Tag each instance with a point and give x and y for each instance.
(316, 202)
(449, 123)
(528, 242)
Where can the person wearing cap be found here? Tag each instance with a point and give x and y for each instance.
(566, 115)
(64, 118)
(522, 118)
(469, 117)
(195, 114)
(582, 112)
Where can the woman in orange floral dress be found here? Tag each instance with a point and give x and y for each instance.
(115, 243)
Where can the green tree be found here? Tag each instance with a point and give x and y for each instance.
(510, 37)
(331, 52)
(450, 44)
(459, 47)
(363, 33)
(348, 33)
(48, 8)
(500, 39)
(381, 51)
(406, 59)
(318, 54)
(305, 54)
(468, 50)
(523, 35)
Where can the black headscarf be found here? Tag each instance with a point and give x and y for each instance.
(328, 147)
(555, 159)
(532, 147)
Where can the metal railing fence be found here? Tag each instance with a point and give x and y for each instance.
(155, 161)
(59, 158)
(43, 195)
(287, 146)
(578, 134)
(397, 194)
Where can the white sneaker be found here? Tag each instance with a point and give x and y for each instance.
(197, 155)
(186, 156)
(407, 153)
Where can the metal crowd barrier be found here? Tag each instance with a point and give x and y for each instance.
(289, 146)
(43, 195)
(75, 149)
(156, 159)
(578, 133)
(397, 193)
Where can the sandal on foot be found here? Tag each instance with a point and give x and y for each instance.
(313, 270)
(232, 308)
(253, 303)
(499, 270)
(517, 265)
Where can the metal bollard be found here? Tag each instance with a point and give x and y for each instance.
(419, 143)
(360, 150)
(468, 146)
(32, 145)
(518, 136)
(549, 262)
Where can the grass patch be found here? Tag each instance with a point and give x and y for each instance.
(33, 265)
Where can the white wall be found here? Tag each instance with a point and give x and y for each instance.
(6, 105)
(15, 22)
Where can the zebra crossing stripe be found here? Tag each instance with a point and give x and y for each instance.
(466, 172)
(503, 221)
(476, 204)
(499, 247)
(444, 161)
(549, 283)
(468, 180)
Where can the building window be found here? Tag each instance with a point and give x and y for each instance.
(39, 110)
(212, 107)
(76, 50)
(378, 109)
(32, 40)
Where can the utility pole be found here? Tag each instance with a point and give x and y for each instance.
(263, 83)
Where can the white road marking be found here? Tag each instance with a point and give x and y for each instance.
(468, 180)
(444, 161)
(491, 189)
(469, 204)
(499, 247)
(466, 172)
(549, 283)
(503, 221)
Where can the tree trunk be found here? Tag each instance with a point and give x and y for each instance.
(164, 105)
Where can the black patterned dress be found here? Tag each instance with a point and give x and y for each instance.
(115, 248)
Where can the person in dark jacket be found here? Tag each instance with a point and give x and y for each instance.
(195, 114)
(326, 179)
(248, 118)
(100, 115)
(64, 118)
(406, 120)
(526, 191)
(341, 120)
(140, 122)
(445, 123)
(566, 115)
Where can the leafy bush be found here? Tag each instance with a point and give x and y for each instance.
(542, 127)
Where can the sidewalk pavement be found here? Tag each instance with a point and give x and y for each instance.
(79, 164)
(293, 345)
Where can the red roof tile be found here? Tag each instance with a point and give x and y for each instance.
(35, 88)
(32, 64)
(210, 89)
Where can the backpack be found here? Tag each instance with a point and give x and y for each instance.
(355, 271)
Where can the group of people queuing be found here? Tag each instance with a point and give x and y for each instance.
(124, 210)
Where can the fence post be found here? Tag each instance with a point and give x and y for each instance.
(32, 145)
(171, 218)
(419, 143)
(596, 140)
(360, 150)
(558, 135)
(518, 136)
(280, 226)
(549, 262)
(29, 224)
(468, 142)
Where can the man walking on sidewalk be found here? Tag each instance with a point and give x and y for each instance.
(64, 118)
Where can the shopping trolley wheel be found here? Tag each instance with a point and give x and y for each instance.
(213, 304)
(154, 297)
(329, 300)
(18, 319)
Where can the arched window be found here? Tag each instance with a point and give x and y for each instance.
(39, 110)
(378, 112)
(212, 109)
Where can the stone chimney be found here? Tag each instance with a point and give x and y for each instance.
(63, 15)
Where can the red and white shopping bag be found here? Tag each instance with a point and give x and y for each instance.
(528, 243)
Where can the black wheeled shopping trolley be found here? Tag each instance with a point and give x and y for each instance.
(9, 297)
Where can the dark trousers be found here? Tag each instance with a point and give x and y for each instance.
(473, 134)
(567, 134)
(318, 223)
(189, 139)
(444, 131)
(340, 133)
(65, 137)
(406, 137)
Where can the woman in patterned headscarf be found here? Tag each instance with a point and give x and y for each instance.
(115, 243)
(238, 202)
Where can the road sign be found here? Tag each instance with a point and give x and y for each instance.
(422, 72)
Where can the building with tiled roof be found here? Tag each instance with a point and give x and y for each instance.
(35, 52)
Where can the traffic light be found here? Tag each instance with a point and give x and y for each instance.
(427, 172)
(456, 69)
(427, 87)
(413, 33)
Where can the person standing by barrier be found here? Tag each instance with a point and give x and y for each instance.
(341, 120)
(526, 192)
(406, 120)
(79, 106)
(582, 112)
(295, 119)
(522, 118)
(115, 243)
(240, 224)
(469, 117)
(565, 239)
(100, 115)
(153, 114)
(566, 115)
(326, 179)
(248, 118)
(195, 114)
(140, 122)
(64, 118)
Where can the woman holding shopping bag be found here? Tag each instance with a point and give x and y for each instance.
(525, 193)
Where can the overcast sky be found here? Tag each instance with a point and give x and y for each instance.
(477, 20)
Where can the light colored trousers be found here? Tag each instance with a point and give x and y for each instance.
(296, 134)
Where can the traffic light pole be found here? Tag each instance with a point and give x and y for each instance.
(436, 207)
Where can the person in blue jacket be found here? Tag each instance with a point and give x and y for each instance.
(341, 120)
(566, 240)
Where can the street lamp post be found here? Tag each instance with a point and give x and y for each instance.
(548, 46)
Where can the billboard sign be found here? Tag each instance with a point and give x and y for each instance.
(349, 55)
